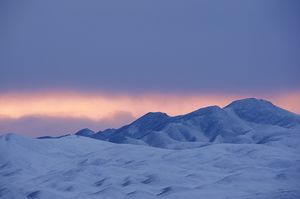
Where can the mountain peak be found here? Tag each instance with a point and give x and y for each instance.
(155, 114)
(263, 112)
(249, 102)
(208, 109)
(152, 116)
(203, 111)
(85, 132)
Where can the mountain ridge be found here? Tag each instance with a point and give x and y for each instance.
(238, 122)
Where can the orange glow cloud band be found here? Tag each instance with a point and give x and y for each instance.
(97, 106)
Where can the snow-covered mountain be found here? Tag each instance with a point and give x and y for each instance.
(246, 150)
(241, 121)
(263, 112)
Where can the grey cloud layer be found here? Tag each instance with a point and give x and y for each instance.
(38, 125)
(150, 45)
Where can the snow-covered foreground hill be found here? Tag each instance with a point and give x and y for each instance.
(80, 167)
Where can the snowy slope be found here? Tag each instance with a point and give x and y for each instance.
(79, 167)
(242, 121)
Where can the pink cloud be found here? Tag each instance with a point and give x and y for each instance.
(65, 112)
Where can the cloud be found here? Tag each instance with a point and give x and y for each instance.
(97, 106)
(37, 125)
(143, 46)
(56, 113)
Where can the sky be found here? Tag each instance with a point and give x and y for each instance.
(71, 64)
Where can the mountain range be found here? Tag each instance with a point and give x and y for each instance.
(248, 149)
(248, 120)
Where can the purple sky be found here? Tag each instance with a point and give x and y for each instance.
(141, 47)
